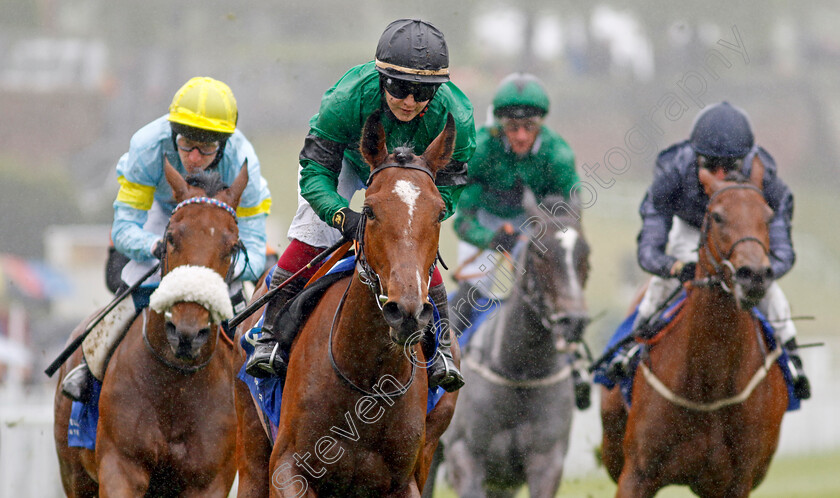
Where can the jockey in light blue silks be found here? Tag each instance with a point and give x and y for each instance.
(199, 134)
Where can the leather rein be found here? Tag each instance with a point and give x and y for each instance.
(369, 277)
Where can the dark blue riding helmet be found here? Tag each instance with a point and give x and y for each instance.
(722, 131)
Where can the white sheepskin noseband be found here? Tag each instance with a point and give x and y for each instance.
(193, 284)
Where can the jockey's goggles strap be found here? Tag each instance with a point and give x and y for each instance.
(206, 200)
(398, 165)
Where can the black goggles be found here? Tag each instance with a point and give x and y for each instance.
(727, 164)
(400, 89)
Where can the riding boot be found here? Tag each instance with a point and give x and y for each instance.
(271, 351)
(620, 365)
(801, 385)
(442, 372)
(78, 383)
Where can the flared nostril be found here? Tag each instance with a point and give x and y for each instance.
(393, 313)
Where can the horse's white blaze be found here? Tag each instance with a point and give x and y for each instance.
(419, 284)
(568, 239)
(408, 193)
(212, 231)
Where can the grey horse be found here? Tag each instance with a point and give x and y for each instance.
(512, 421)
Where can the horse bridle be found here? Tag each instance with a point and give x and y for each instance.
(369, 277)
(721, 261)
(367, 274)
(547, 320)
(164, 269)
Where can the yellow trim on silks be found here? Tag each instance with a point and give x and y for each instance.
(408, 70)
(263, 207)
(136, 195)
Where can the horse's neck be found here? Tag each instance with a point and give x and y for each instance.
(720, 336)
(515, 342)
(361, 342)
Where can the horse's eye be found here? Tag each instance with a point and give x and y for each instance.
(441, 216)
(717, 218)
(368, 212)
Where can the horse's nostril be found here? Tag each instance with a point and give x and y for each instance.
(393, 313)
(768, 273)
(203, 333)
(744, 273)
(426, 313)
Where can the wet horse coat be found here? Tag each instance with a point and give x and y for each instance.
(167, 423)
(708, 428)
(511, 426)
(353, 419)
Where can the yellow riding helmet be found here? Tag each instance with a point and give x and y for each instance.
(204, 104)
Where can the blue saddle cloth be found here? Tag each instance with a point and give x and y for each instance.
(84, 417)
(268, 391)
(626, 327)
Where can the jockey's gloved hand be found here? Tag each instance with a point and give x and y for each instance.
(687, 272)
(347, 222)
(505, 238)
(158, 248)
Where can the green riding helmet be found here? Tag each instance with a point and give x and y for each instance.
(520, 95)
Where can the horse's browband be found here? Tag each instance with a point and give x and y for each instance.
(206, 200)
(398, 165)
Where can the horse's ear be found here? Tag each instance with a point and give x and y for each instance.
(180, 189)
(708, 180)
(757, 172)
(234, 192)
(373, 147)
(439, 152)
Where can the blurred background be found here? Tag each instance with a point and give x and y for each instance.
(626, 79)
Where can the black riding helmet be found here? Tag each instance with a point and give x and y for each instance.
(413, 50)
(722, 131)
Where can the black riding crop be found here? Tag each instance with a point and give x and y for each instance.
(235, 321)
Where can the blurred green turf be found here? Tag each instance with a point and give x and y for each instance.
(814, 476)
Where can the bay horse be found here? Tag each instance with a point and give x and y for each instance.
(167, 424)
(511, 425)
(708, 400)
(353, 418)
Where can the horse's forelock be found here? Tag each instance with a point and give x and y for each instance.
(736, 176)
(403, 154)
(209, 181)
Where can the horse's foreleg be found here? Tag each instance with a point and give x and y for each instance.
(545, 471)
(635, 483)
(466, 474)
(285, 480)
(437, 459)
(254, 448)
(613, 421)
(119, 476)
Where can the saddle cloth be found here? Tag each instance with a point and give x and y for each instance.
(625, 328)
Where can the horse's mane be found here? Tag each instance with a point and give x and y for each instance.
(209, 181)
(569, 213)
